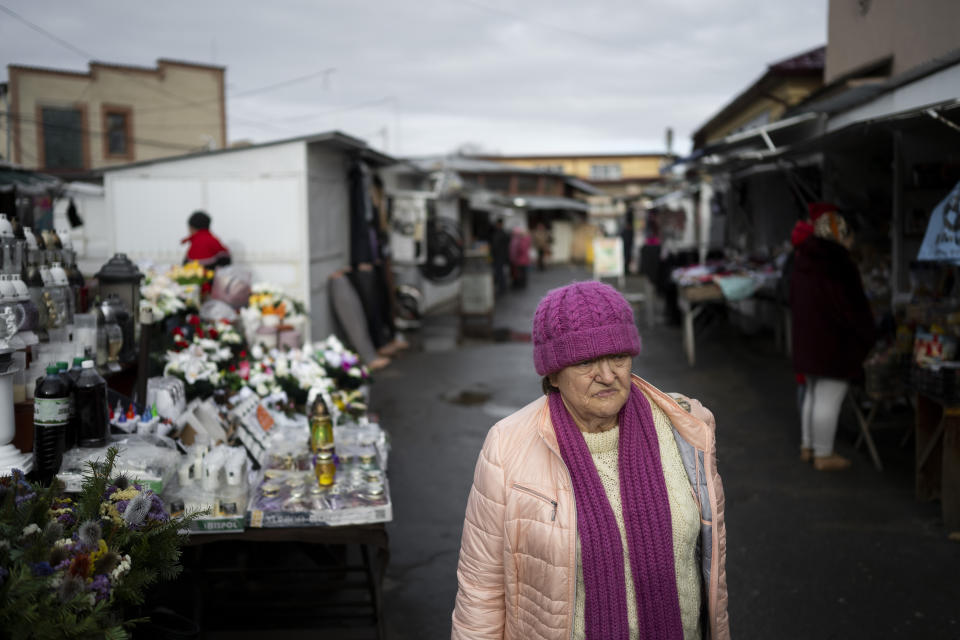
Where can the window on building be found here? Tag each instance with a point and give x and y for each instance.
(552, 187)
(62, 137)
(117, 141)
(527, 183)
(497, 182)
(605, 171)
(551, 168)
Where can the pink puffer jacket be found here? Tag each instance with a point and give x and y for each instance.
(517, 572)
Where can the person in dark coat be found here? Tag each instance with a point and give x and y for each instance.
(833, 330)
(500, 255)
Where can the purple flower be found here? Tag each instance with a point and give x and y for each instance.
(158, 513)
(41, 568)
(101, 586)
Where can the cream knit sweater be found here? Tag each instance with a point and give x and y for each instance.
(684, 516)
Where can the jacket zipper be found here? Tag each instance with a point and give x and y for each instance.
(537, 494)
(573, 603)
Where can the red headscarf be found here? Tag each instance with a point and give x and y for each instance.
(801, 231)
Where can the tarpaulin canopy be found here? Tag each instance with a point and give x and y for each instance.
(27, 182)
(942, 239)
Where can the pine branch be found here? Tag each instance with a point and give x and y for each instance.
(95, 482)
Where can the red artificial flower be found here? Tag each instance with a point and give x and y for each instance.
(213, 333)
(194, 320)
(80, 566)
(232, 368)
(206, 287)
(177, 331)
(200, 333)
(243, 354)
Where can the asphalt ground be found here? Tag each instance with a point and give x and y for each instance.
(810, 554)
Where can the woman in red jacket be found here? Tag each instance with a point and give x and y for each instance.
(833, 330)
(205, 247)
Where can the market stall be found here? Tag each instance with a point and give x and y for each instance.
(734, 284)
(209, 400)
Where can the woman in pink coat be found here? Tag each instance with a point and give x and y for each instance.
(519, 256)
(596, 511)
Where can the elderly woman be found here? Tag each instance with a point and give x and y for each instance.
(597, 511)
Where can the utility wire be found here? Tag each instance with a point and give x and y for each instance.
(283, 83)
(353, 107)
(10, 12)
(244, 93)
(85, 54)
(93, 132)
(545, 25)
(186, 102)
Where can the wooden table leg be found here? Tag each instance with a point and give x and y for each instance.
(690, 314)
(950, 483)
(929, 427)
(865, 423)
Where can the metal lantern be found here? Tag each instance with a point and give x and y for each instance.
(120, 277)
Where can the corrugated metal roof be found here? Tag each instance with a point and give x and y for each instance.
(471, 165)
(337, 138)
(550, 202)
(465, 164)
(855, 96)
(810, 61)
(26, 180)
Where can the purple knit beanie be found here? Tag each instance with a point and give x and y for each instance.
(581, 321)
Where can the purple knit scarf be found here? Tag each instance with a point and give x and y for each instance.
(646, 515)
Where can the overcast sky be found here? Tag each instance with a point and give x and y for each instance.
(416, 78)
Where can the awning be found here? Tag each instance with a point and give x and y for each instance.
(539, 203)
(26, 181)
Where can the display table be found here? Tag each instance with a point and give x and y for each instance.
(938, 456)
(692, 300)
(310, 541)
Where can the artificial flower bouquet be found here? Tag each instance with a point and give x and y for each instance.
(177, 290)
(74, 567)
(342, 365)
(270, 300)
(192, 273)
(163, 294)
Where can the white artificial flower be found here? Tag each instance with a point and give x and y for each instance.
(262, 390)
(332, 358)
(333, 343)
(257, 352)
(30, 529)
(355, 372)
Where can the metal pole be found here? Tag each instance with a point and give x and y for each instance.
(6, 108)
(896, 228)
